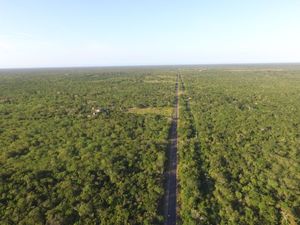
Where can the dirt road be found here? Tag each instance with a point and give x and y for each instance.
(171, 174)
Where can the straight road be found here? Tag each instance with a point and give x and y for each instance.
(171, 174)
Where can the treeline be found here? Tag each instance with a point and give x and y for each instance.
(247, 160)
(72, 153)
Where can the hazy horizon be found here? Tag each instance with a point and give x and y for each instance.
(209, 65)
(137, 33)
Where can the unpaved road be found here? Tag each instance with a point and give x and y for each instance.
(171, 174)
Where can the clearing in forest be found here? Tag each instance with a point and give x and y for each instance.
(164, 111)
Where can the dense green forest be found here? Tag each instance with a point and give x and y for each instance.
(88, 145)
(73, 151)
(239, 146)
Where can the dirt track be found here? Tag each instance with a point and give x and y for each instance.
(171, 174)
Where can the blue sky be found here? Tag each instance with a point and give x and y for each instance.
(52, 33)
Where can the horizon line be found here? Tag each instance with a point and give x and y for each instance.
(150, 65)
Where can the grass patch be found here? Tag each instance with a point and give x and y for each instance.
(164, 111)
(158, 81)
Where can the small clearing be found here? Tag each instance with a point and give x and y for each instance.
(164, 111)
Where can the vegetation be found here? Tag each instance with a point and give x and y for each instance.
(72, 154)
(165, 111)
(87, 146)
(239, 154)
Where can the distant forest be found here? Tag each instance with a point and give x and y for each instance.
(88, 146)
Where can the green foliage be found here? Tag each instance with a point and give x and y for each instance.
(72, 154)
(246, 125)
(87, 146)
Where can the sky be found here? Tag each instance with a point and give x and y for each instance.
(64, 33)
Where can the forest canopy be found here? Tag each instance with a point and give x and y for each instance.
(74, 152)
(88, 146)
